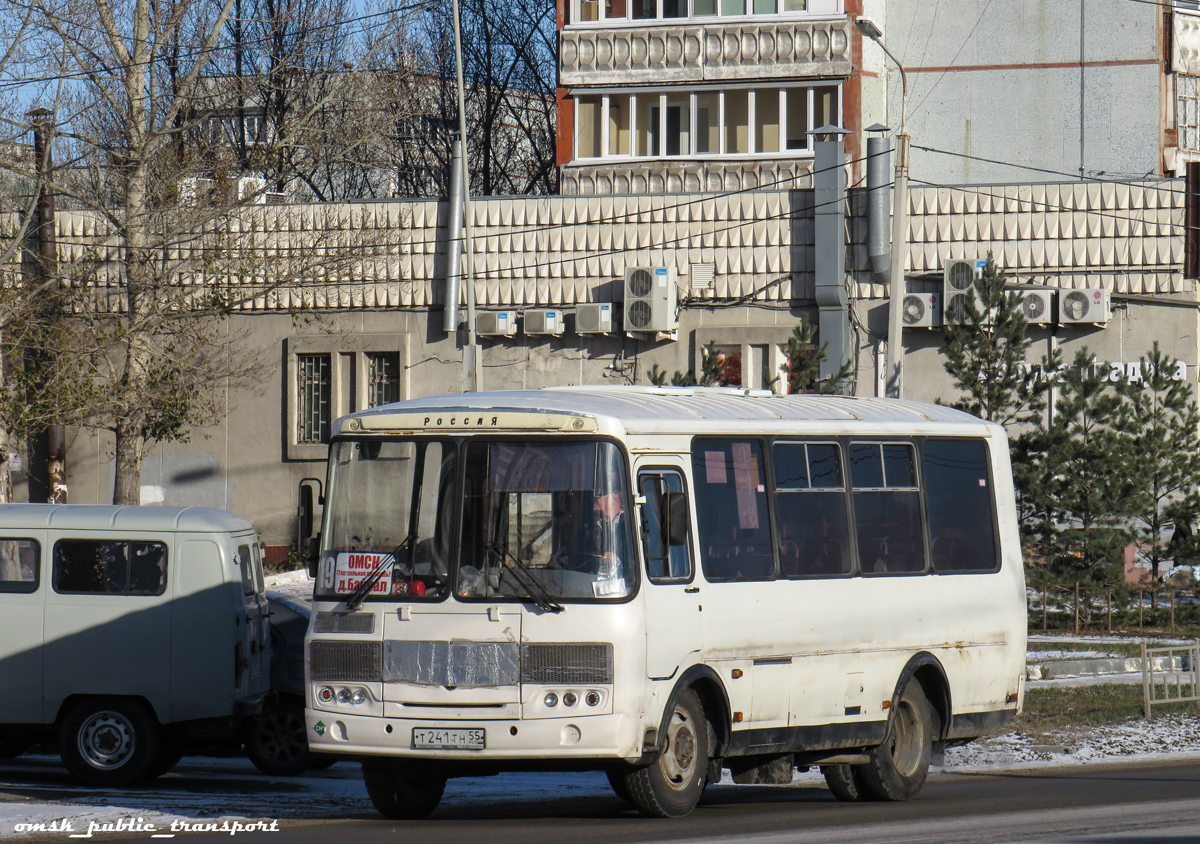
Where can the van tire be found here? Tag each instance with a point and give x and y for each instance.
(402, 791)
(276, 740)
(671, 785)
(616, 779)
(896, 769)
(109, 742)
(845, 781)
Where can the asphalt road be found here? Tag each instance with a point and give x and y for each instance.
(1114, 804)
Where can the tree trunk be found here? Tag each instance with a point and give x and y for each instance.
(130, 448)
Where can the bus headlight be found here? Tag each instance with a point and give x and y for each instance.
(343, 696)
(570, 699)
(592, 699)
(358, 696)
(551, 699)
(325, 695)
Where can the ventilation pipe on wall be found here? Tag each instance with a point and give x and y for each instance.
(454, 241)
(829, 242)
(879, 223)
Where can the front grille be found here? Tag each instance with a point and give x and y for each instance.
(359, 622)
(570, 664)
(468, 665)
(346, 662)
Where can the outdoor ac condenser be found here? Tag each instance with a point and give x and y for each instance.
(650, 299)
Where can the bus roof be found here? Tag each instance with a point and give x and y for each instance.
(692, 410)
(107, 517)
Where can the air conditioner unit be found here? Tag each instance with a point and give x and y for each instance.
(1076, 306)
(593, 318)
(650, 299)
(958, 287)
(1037, 306)
(922, 310)
(496, 323)
(253, 189)
(543, 322)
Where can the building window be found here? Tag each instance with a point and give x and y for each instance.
(383, 378)
(315, 391)
(595, 11)
(731, 122)
(329, 376)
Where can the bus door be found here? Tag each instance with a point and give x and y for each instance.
(672, 593)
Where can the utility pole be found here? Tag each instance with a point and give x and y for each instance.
(47, 447)
(472, 357)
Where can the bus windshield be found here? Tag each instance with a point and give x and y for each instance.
(545, 517)
(390, 506)
(540, 521)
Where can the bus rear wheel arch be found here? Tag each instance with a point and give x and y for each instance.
(109, 742)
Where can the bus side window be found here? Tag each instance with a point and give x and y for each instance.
(887, 508)
(664, 562)
(958, 494)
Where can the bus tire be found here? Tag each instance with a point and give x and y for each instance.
(109, 743)
(896, 769)
(616, 779)
(401, 791)
(671, 785)
(845, 782)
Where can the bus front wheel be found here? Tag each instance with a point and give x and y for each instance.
(897, 768)
(401, 791)
(671, 785)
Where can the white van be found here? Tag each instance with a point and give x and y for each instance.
(122, 629)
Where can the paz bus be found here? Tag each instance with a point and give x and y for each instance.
(662, 583)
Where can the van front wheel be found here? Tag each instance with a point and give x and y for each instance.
(109, 743)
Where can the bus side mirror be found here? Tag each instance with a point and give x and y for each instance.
(304, 512)
(675, 517)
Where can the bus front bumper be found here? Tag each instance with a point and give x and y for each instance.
(612, 737)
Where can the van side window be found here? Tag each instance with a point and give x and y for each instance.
(958, 493)
(887, 508)
(810, 501)
(110, 567)
(19, 565)
(731, 510)
(250, 568)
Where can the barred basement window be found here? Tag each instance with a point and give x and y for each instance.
(383, 378)
(315, 393)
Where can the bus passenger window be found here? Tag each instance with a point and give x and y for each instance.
(731, 510)
(958, 493)
(19, 565)
(814, 526)
(663, 562)
(887, 508)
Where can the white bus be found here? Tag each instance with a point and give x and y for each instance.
(660, 583)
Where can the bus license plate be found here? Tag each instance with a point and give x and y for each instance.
(425, 738)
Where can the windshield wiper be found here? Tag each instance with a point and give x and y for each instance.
(368, 583)
(535, 590)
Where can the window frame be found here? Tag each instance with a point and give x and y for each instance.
(18, 587)
(650, 98)
(350, 372)
(128, 542)
(574, 12)
(997, 547)
(847, 505)
(768, 479)
(660, 471)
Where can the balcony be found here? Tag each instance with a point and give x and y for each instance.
(688, 53)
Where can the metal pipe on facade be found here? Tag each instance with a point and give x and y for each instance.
(472, 356)
(878, 207)
(829, 230)
(454, 241)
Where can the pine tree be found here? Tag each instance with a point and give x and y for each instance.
(985, 352)
(1162, 421)
(1074, 478)
(803, 359)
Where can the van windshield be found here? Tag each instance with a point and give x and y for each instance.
(547, 521)
(389, 498)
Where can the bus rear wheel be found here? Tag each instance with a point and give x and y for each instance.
(670, 786)
(402, 791)
(845, 781)
(896, 769)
